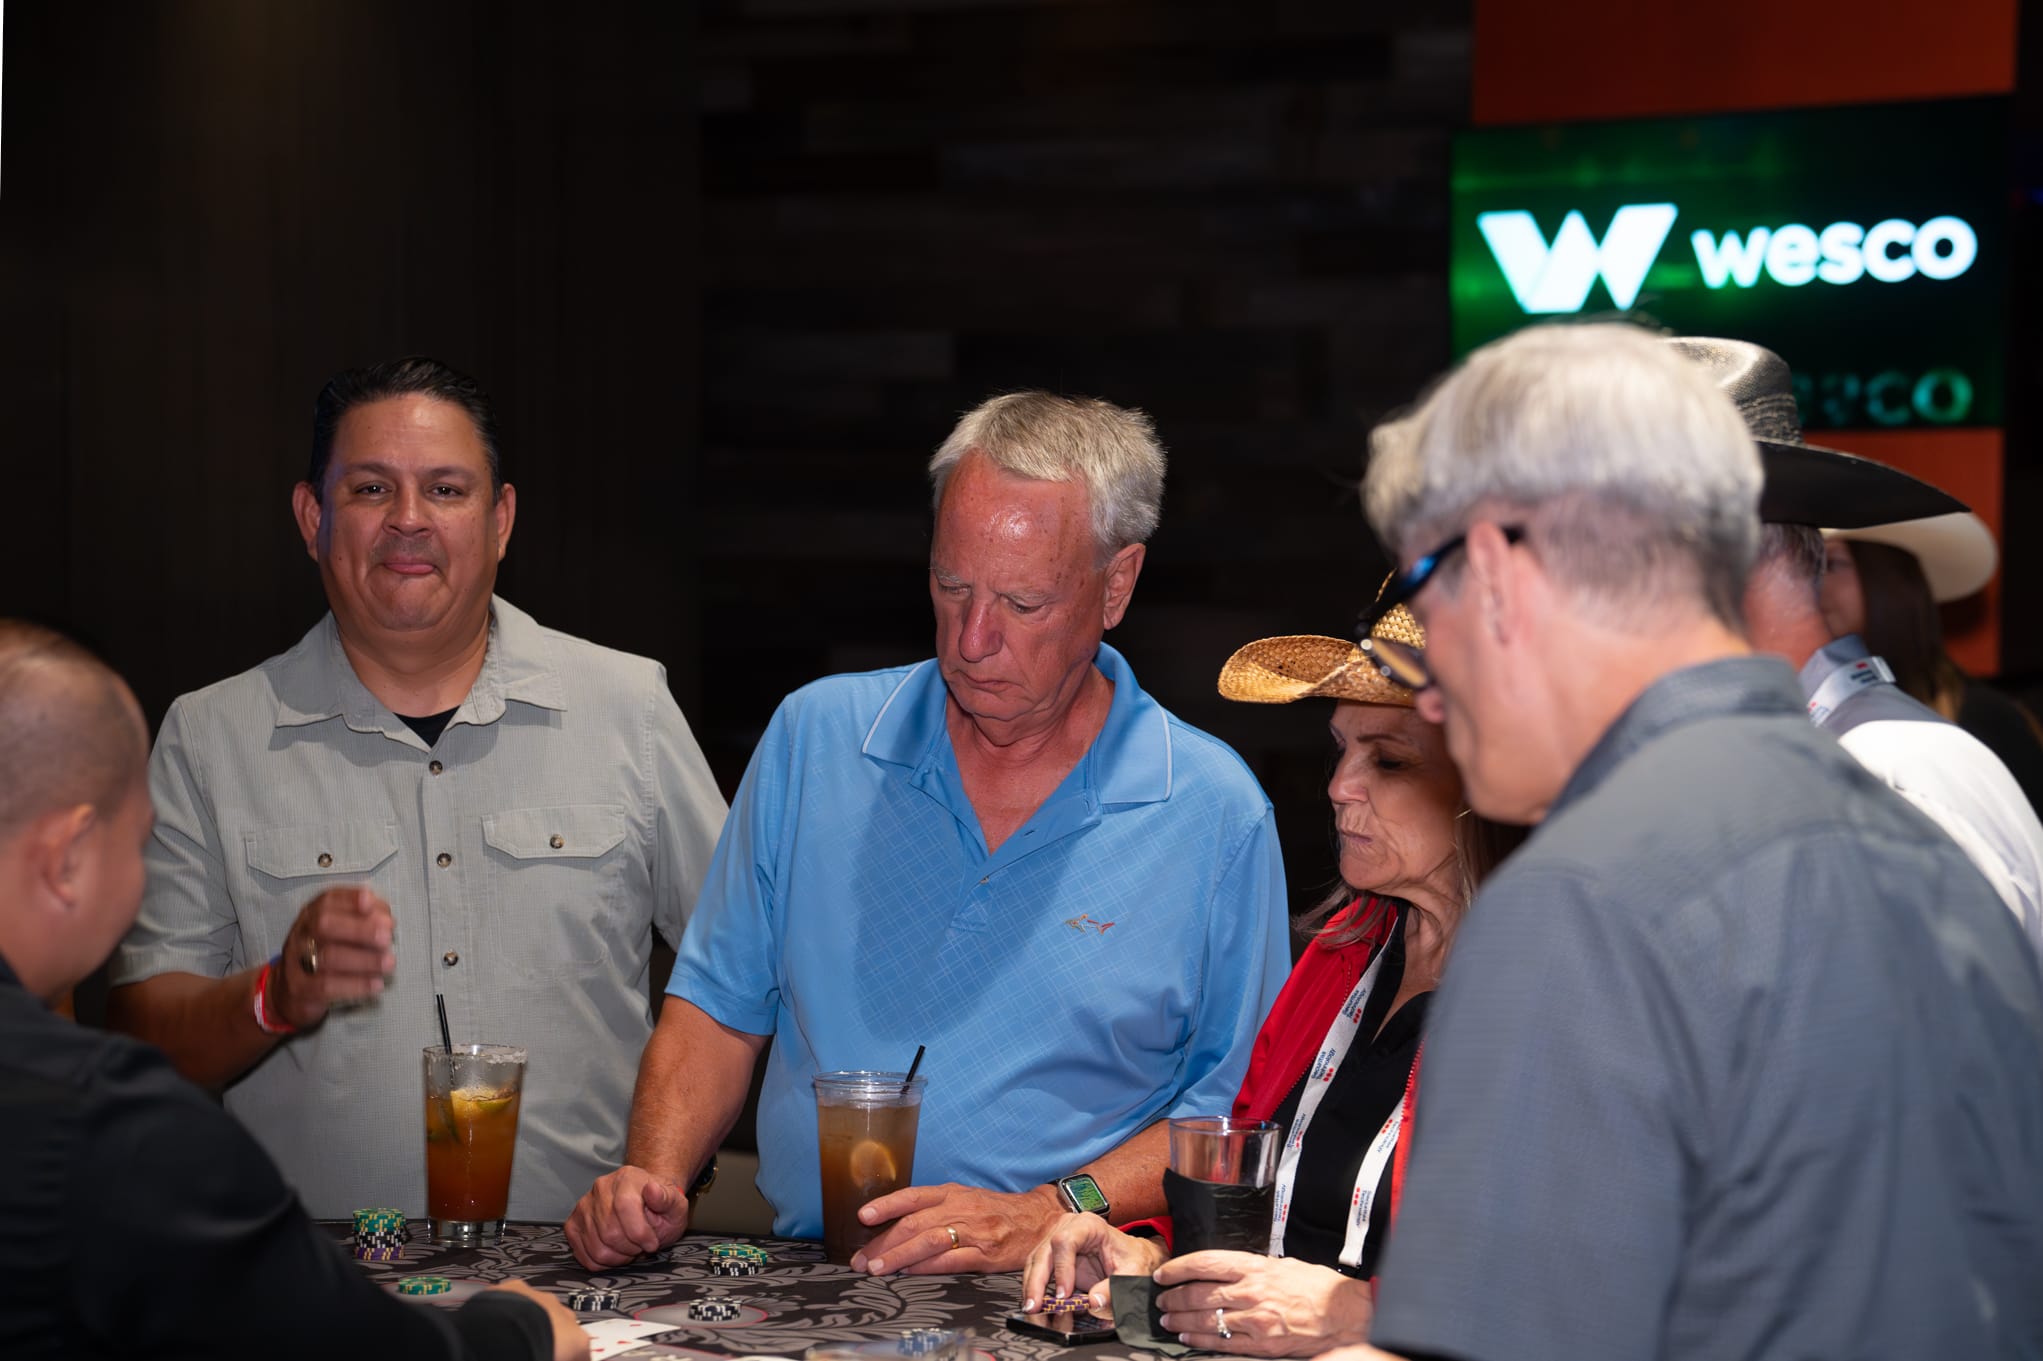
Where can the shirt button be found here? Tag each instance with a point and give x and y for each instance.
(325, 860)
(555, 841)
(443, 860)
(436, 767)
(451, 958)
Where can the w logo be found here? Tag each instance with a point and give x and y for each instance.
(1556, 278)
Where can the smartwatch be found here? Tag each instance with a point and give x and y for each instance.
(1081, 1195)
(705, 1180)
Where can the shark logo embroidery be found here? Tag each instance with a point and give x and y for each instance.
(1084, 920)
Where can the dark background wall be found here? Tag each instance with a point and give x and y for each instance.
(732, 270)
(1230, 215)
(208, 207)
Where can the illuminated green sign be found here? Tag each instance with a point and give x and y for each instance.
(1865, 245)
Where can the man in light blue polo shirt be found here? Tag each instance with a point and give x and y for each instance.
(1008, 853)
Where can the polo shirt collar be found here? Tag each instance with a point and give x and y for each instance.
(1826, 659)
(314, 681)
(1748, 686)
(1130, 760)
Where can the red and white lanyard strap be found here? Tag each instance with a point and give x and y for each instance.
(1846, 681)
(1320, 1076)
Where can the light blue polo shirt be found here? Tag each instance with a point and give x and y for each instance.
(1107, 967)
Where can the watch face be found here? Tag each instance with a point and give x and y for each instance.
(1085, 1193)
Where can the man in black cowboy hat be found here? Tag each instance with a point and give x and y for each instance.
(1737, 1055)
(1936, 765)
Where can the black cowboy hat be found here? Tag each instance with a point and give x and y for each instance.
(1807, 484)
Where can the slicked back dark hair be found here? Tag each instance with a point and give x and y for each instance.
(414, 375)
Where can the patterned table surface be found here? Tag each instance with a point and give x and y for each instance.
(793, 1303)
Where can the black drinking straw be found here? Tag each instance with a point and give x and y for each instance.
(919, 1051)
(447, 1040)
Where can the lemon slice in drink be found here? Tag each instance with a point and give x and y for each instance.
(872, 1163)
(470, 1106)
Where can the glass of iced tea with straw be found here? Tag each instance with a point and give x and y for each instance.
(472, 1093)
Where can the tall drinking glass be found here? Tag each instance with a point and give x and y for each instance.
(1222, 1182)
(472, 1096)
(865, 1148)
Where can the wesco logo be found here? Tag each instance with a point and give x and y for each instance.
(1549, 277)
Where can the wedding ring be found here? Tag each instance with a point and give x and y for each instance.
(953, 1232)
(1220, 1324)
(309, 956)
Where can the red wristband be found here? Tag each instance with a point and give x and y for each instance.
(263, 1020)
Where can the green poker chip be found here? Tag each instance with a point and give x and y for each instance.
(737, 1252)
(424, 1285)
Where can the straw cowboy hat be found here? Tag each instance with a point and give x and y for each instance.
(1956, 551)
(1306, 665)
(1807, 484)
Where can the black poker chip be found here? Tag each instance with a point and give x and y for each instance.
(713, 1310)
(591, 1298)
(732, 1266)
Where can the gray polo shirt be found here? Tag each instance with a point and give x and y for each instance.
(565, 813)
(1737, 1057)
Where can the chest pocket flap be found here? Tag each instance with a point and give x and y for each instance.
(578, 831)
(339, 848)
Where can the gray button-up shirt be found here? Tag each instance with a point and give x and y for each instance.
(565, 813)
(1738, 1056)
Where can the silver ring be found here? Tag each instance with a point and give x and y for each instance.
(953, 1232)
(1220, 1324)
(309, 956)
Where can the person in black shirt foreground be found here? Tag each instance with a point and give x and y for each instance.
(137, 1219)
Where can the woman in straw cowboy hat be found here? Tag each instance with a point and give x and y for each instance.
(1411, 855)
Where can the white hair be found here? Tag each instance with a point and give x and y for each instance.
(1046, 438)
(1638, 472)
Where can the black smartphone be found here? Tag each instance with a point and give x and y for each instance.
(1073, 1330)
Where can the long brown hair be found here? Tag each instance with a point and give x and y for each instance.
(1903, 626)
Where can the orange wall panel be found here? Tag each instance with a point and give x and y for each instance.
(1547, 63)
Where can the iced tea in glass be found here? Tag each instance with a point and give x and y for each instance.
(472, 1096)
(865, 1148)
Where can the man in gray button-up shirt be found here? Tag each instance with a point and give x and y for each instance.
(431, 793)
(1738, 1056)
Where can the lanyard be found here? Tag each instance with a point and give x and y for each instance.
(1320, 1076)
(1847, 680)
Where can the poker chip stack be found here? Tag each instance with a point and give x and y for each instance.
(380, 1235)
(591, 1297)
(424, 1285)
(1074, 1303)
(713, 1309)
(736, 1259)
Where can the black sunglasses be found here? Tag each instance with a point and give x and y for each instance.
(1400, 662)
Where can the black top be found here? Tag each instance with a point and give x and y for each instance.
(138, 1219)
(430, 726)
(1364, 1090)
